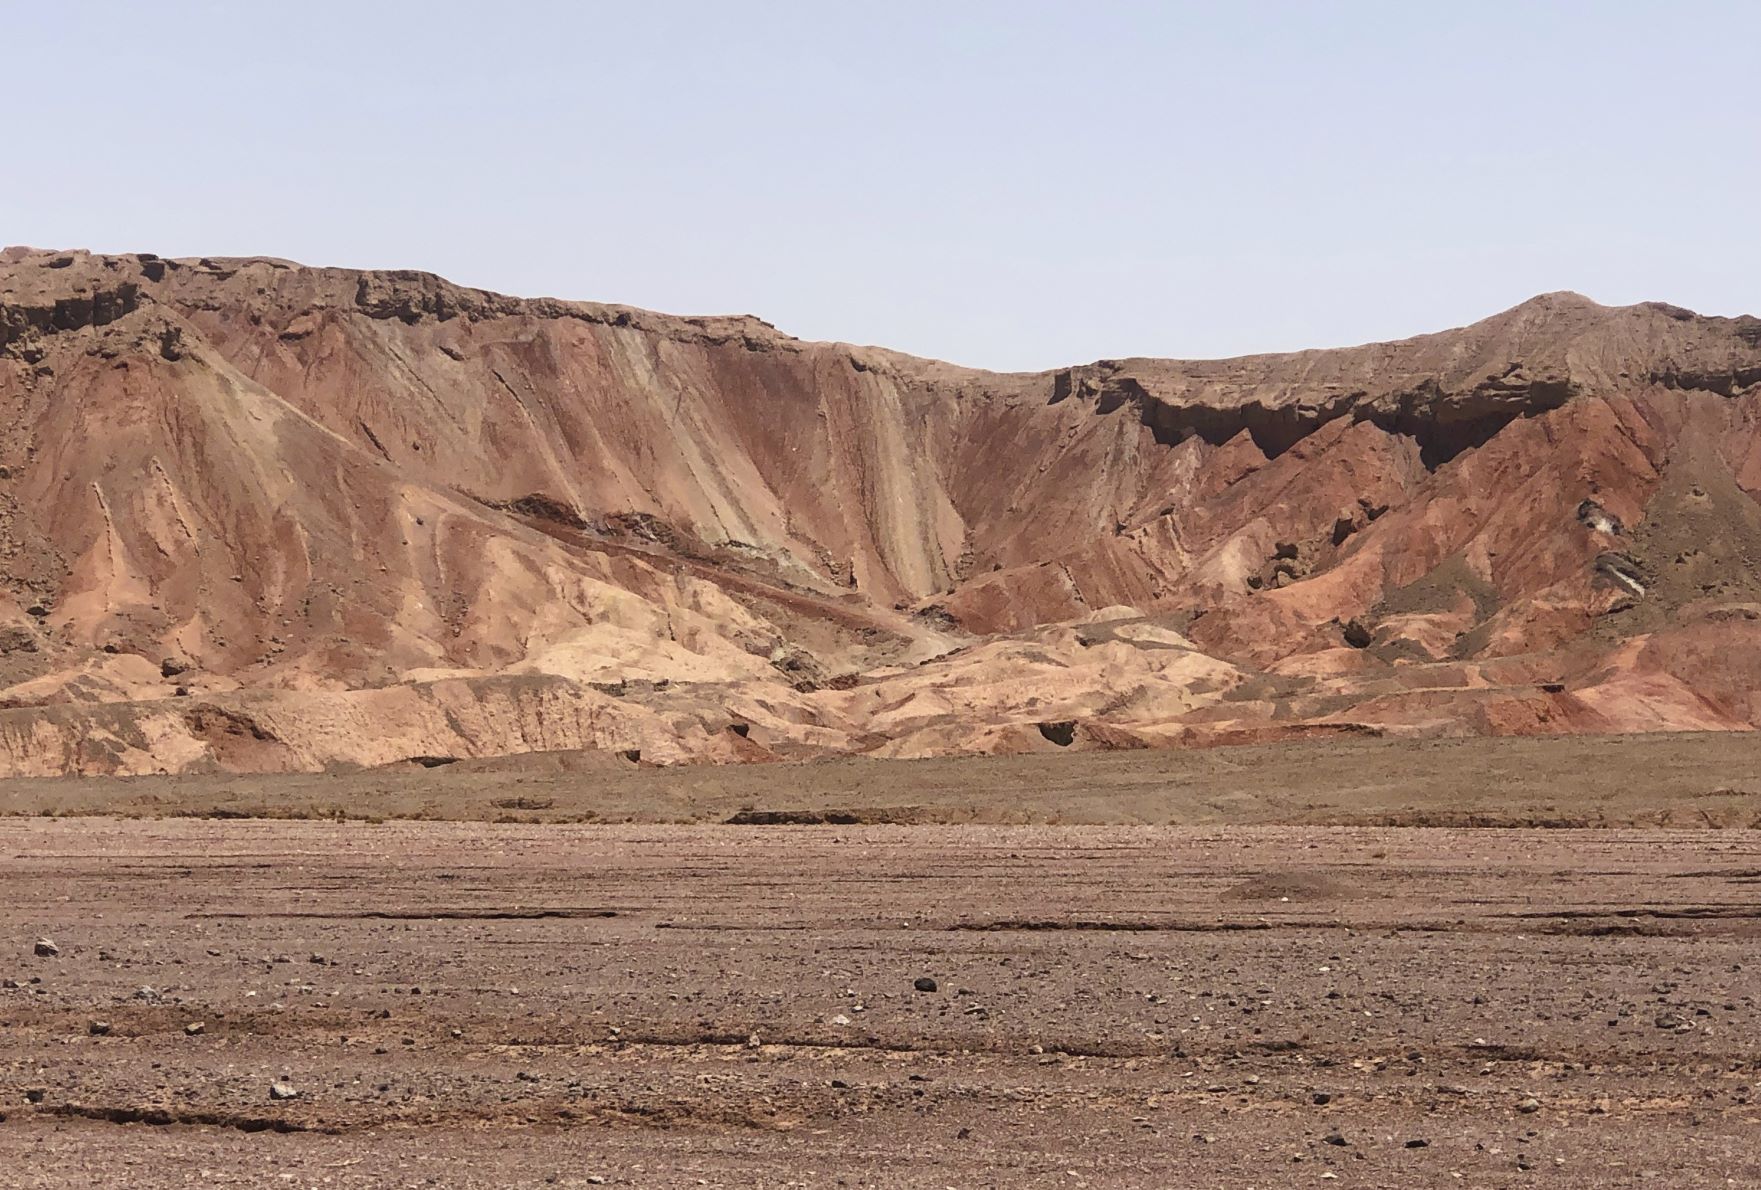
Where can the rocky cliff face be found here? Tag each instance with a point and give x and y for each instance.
(258, 516)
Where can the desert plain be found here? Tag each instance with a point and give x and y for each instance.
(452, 739)
(1220, 968)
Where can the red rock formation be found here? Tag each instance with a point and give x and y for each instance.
(259, 516)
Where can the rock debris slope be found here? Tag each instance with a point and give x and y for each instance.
(262, 517)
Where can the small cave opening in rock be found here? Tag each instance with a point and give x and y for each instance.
(1061, 732)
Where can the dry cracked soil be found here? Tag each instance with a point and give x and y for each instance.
(454, 1003)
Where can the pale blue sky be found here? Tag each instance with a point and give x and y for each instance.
(1005, 183)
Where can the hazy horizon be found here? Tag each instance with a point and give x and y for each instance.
(1011, 186)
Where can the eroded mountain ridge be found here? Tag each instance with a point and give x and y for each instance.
(257, 516)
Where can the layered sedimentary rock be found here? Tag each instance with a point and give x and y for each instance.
(257, 516)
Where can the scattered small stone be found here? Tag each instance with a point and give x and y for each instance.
(458, 1033)
(281, 1089)
(753, 1042)
(839, 1084)
(1321, 1098)
(195, 1029)
(924, 983)
(595, 1180)
(45, 949)
(1529, 1106)
(35, 1095)
(840, 1020)
(1335, 1138)
(1418, 1142)
(99, 1028)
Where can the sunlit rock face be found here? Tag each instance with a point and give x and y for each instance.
(261, 517)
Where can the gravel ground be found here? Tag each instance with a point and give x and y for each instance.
(468, 1004)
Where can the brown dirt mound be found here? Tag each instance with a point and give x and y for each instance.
(1295, 886)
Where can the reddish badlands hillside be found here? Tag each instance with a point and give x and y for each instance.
(262, 517)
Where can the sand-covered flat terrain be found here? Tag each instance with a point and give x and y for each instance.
(1706, 779)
